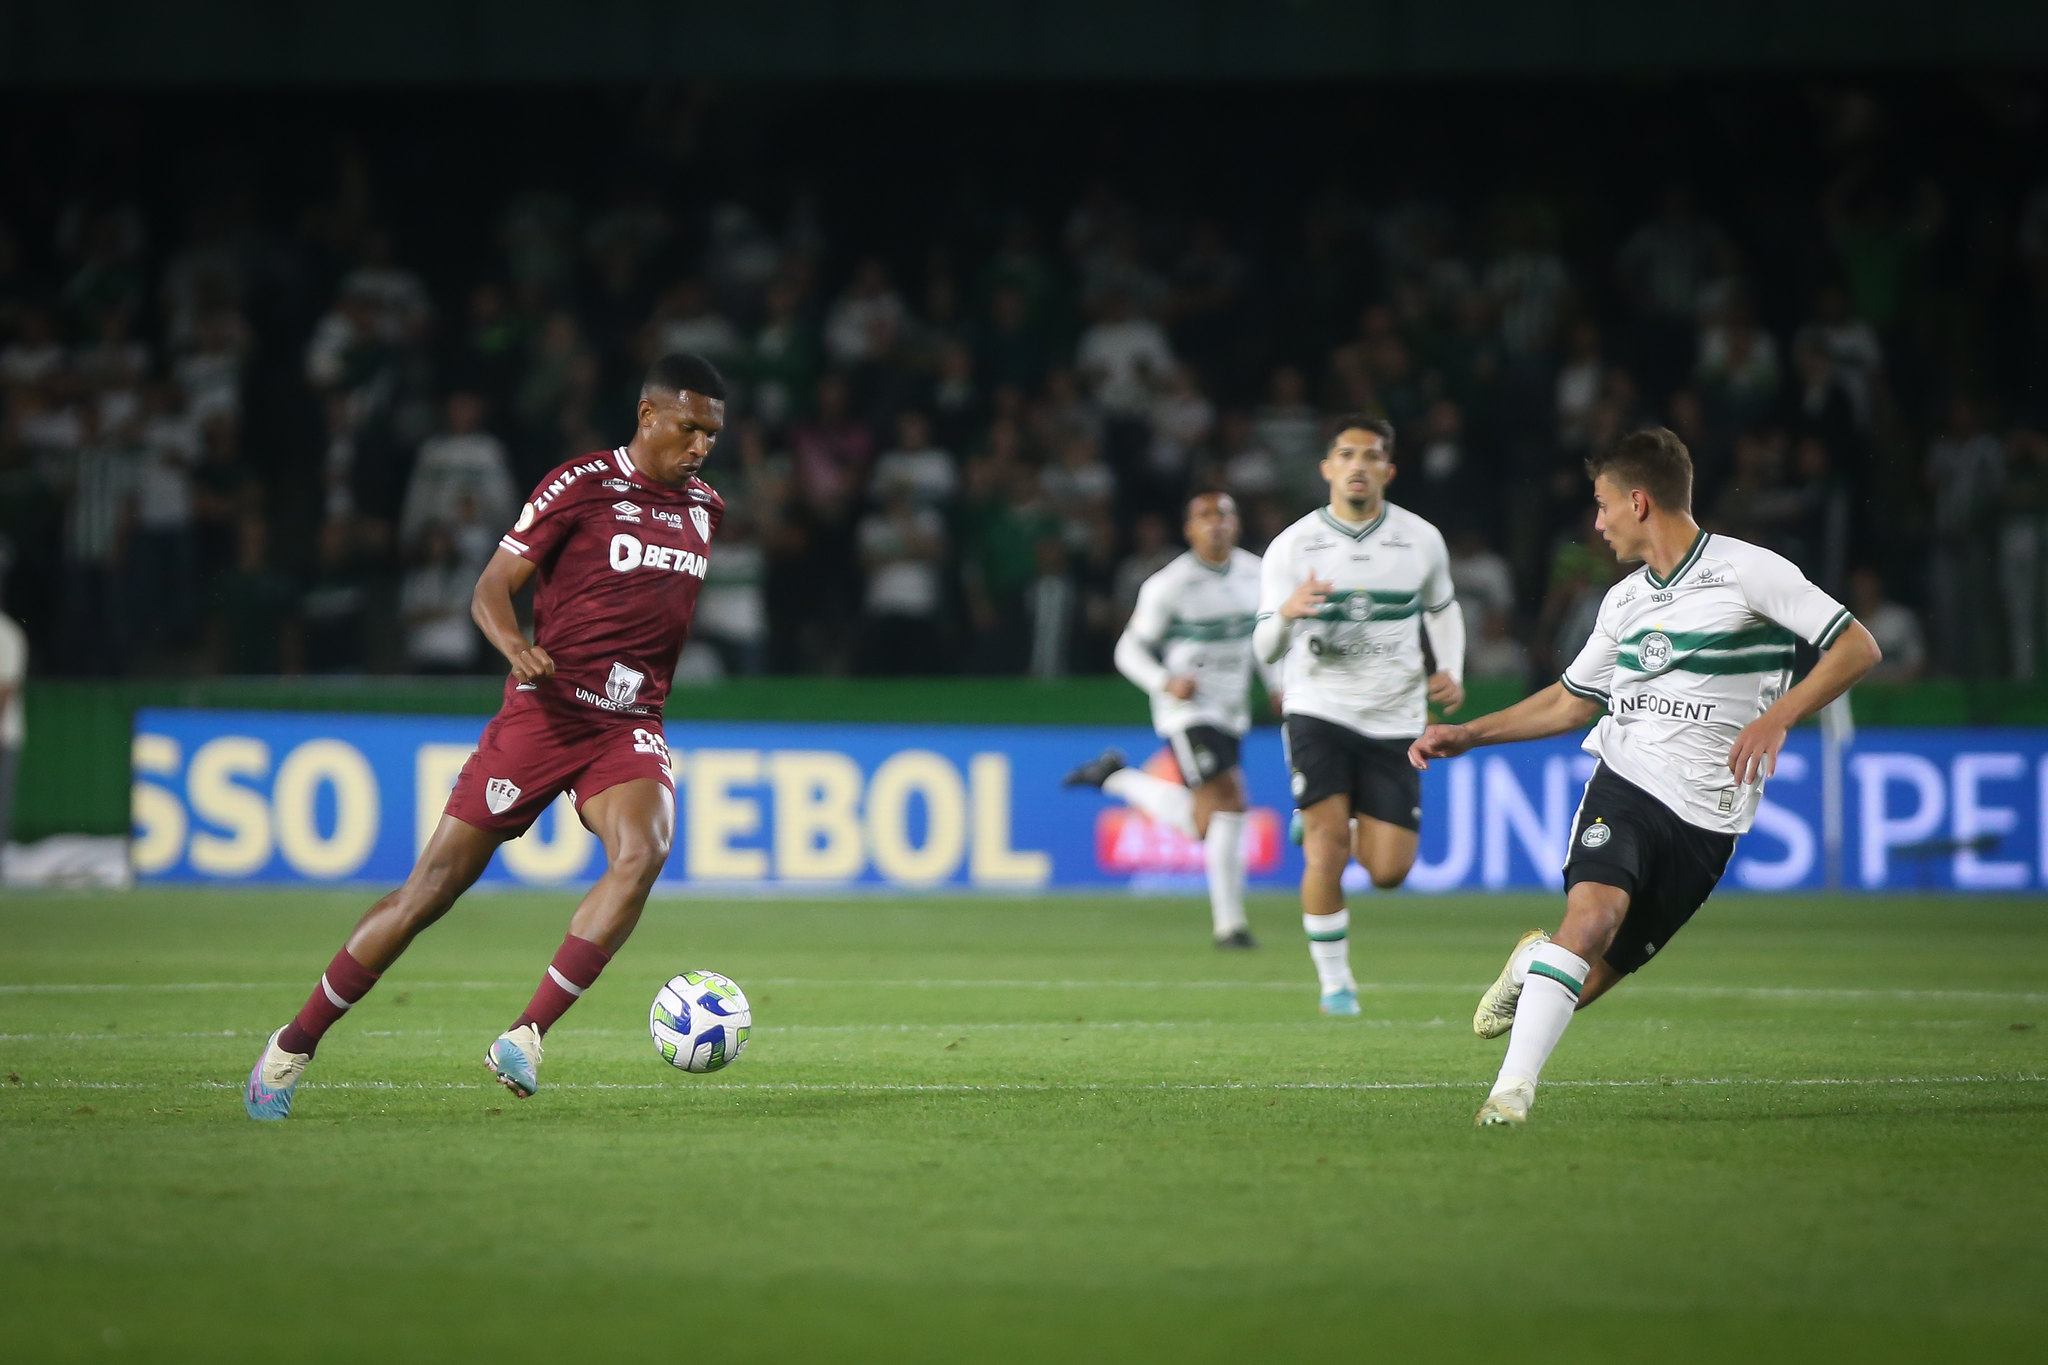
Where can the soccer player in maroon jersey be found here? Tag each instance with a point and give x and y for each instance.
(619, 540)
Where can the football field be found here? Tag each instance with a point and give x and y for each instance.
(1054, 1129)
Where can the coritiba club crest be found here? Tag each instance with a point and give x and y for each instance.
(1654, 652)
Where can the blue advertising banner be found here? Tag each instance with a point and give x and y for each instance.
(227, 796)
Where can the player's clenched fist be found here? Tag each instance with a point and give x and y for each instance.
(1439, 741)
(531, 664)
(1446, 692)
(1307, 598)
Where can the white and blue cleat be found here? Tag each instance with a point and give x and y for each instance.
(515, 1060)
(273, 1080)
(1341, 1004)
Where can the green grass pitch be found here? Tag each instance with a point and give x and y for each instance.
(1061, 1129)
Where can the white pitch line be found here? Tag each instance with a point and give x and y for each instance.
(857, 1087)
(971, 983)
(774, 1029)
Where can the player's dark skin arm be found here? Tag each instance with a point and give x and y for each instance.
(490, 606)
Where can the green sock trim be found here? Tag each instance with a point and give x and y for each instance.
(1545, 969)
(1337, 937)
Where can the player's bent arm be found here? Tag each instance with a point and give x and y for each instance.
(1269, 637)
(1553, 711)
(1136, 661)
(490, 606)
(1446, 632)
(1842, 665)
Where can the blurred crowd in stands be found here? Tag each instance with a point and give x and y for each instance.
(268, 409)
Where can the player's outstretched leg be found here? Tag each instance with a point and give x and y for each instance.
(1167, 803)
(1561, 976)
(635, 821)
(453, 859)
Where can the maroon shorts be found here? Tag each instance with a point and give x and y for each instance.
(532, 752)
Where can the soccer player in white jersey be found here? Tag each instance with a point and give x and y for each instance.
(1691, 658)
(1189, 648)
(1341, 590)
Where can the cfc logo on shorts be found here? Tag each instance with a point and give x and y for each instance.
(1596, 834)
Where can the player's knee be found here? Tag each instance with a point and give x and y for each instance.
(1325, 849)
(639, 861)
(1388, 878)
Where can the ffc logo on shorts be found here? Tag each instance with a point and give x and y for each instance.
(1596, 834)
(499, 795)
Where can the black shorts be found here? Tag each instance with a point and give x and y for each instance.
(1330, 760)
(1203, 752)
(1626, 838)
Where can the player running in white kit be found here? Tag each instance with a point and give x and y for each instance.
(1189, 648)
(1691, 658)
(1341, 593)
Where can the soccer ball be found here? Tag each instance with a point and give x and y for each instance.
(699, 1021)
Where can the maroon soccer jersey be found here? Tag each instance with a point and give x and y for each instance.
(621, 560)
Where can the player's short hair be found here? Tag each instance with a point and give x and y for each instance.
(674, 373)
(1654, 460)
(1187, 508)
(1358, 421)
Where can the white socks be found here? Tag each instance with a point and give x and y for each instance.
(1167, 802)
(1223, 855)
(1549, 995)
(1173, 805)
(1329, 945)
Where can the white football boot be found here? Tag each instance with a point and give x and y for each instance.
(272, 1081)
(515, 1060)
(1508, 1109)
(1496, 1012)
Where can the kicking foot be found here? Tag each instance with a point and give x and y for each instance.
(1507, 1109)
(1237, 938)
(515, 1060)
(272, 1081)
(1096, 770)
(1496, 1012)
(1341, 1004)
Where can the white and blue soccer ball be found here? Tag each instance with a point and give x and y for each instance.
(699, 1021)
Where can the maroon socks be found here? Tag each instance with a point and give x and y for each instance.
(574, 970)
(345, 982)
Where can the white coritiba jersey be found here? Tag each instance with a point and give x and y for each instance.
(1194, 620)
(1358, 662)
(1683, 663)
